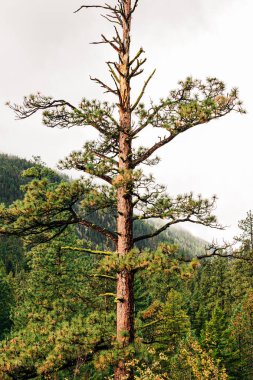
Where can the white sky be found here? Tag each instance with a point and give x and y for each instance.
(45, 47)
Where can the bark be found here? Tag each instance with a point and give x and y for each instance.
(125, 307)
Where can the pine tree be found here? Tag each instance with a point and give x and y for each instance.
(215, 334)
(193, 362)
(58, 317)
(242, 332)
(128, 194)
(246, 227)
(212, 286)
(6, 302)
(245, 239)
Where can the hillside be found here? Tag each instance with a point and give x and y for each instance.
(11, 168)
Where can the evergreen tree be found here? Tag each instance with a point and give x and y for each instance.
(246, 236)
(215, 335)
(244, 248)
(193, 362)
(242, 331)
(58, 317)
(6, 302)
(171, 322)
(212, 286)
(128, 194)
(11, 168)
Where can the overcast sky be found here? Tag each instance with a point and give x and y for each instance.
(45, 47)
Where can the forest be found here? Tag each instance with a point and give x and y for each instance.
(99, 280)
(193, 316)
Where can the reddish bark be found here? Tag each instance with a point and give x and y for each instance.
(125, 305)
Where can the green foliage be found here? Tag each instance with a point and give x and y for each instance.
(12, 254)
(6, 303)
(211, 287)
(164, 323)
(37, 177)
(193, 362)
(242, 333)
(11, 168)
(215, 335)
(59, 316)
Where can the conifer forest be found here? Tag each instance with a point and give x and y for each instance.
(98, 277)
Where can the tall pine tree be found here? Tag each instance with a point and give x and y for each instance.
(127, 193)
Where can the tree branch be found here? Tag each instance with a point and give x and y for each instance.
(105, 86)
(133, 8)
(224, 251)
(87, 250)
(151, 150)
(106, 7)
(167, 225)
(105, 276)
(99, 175)
(111, 235)
(139, 53)
(142, 91)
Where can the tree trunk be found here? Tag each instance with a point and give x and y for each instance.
(125, 279)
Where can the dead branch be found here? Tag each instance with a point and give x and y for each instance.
(105, 86)
(106, 7)
(87, 250)
(142, 91)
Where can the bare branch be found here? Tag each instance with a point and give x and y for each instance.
(113, 74)
(111, 235)
(142, 91)
(134, 7)
(141, 51)
(87, 250)
(108, 295)
(134, 72)
(105, 276)
(112, 19)
(117, 67)
(95, 6)
(111, 43)
(105, 86)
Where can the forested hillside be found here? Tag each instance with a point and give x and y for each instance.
(11, 169)
(193, 318)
